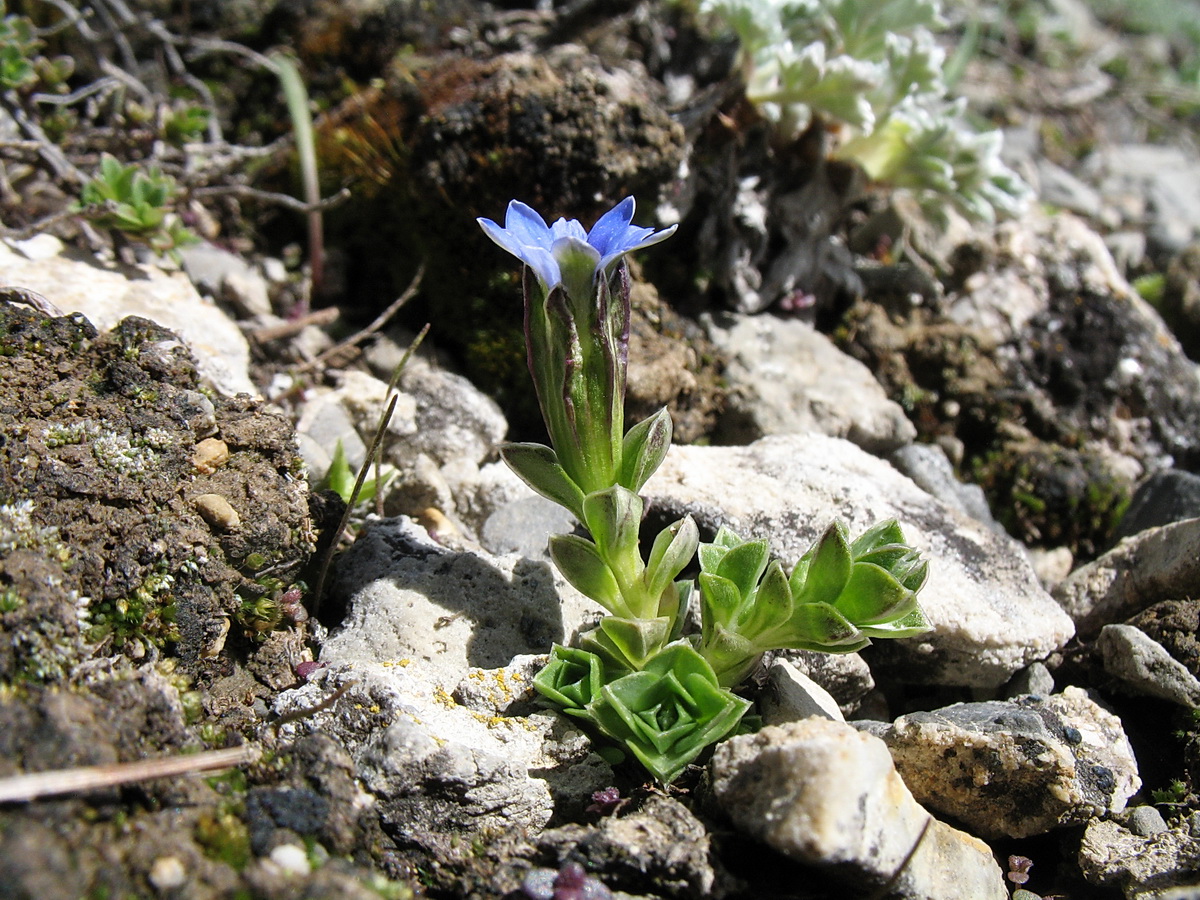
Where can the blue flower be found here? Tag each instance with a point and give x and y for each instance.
(565, 254)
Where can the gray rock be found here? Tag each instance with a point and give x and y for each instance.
(989, 614)
(1113, 856)
(524, 526)
(1145, 821)
(1167, 496)
(1144, 667)
(929, 468)
(446, 611)
(1058, 187)
(1034, 679)
(226, 276)
(789, 695)
(1156, 186)
(1154, 565)
(846, 676)
(785, 377)
(1015, 769)
(823, 794)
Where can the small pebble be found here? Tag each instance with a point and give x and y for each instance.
(167, 874)
(209, 455)
(1145, 821)
(217, 512)
(292, 859)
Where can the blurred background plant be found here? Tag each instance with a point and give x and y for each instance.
(872, 73)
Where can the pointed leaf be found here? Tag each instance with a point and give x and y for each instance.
(673, 549)
(628, 643)
(772, 603)
(828, 568)
(538, 466)
(720, 602)
(886, 532)
(873, 596)
(644, 448)
(580, 563)
(910, 625)
(571, 679)
(744, 565)
(819, 625)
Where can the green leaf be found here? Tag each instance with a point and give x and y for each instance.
(572, 678)
(673, 549)
(614, 517)
(720, 602)
(772, 605)
(873, 596)
(744, 565)
(828, 567)
(819, 626)
(581, 564)
(910, 625)
(538, 466)
(626, 644)
(670, 713)
(878, 535)
(644, 448)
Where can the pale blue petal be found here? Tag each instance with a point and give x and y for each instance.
(567, 228)
(544, 265)
(524, 223)
(647, 238)
(611, 226)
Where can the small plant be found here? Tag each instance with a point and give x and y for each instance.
(340, 479)
(135, 202)
(873, 71)
(18, 46)
(637, 678)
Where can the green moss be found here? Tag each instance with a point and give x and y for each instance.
(147, 613)
(224, 837)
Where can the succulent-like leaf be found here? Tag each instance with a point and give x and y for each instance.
(907, 626)
(614, 516)
(581, 564)
(878, 535)
(873, 596)
(720, 601)
(643, 449)
(744, 565)
(772, 605)
(572, 678)
(822, 627)
(537, 465)
(668, 714)
(673, 549)
(827, 569)
(625, 644)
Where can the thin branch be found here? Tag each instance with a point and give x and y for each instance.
(297, 714)
(319, 317)
(380, 320)
(24, 788)
(71, 17)
(106, 84)
(244, 190)
(63, 168)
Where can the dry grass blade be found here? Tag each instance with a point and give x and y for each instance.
(25, 788)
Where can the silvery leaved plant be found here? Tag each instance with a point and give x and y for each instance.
(637, 678)
(872, 67)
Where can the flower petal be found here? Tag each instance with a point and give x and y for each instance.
(567, 228)
(526, 225)
(611, 227)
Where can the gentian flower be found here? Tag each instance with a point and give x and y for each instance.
(563, 253)
(577, 312)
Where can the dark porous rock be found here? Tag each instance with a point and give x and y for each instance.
(1167, 496)
(661, 849)
(1015, 769)
(106, 548)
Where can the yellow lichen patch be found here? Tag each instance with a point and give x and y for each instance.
(442, 697)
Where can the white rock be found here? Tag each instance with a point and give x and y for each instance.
(1113, 856)
(445, 611)
(1016, 768)
(1152, 565)
(789, 695)
(786, 377)
(107, 293)
(823, 794)
(291, 859)
(990, 615)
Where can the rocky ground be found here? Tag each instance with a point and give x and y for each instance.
(346, 702)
